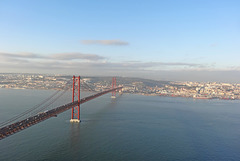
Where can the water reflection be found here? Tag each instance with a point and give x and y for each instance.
(74, 133)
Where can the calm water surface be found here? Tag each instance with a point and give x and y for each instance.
(132, 127)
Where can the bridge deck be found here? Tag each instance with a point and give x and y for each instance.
(21, 125)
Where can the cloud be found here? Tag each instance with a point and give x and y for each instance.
(72, 56)
(20, 55)
(58, 56)
(105, 42)
(7, 60)
(148, 65)
(170, 64)
(75, 59)
(120, 69)
(65, 60)
(95, 65)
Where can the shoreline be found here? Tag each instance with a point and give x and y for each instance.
(143, 94)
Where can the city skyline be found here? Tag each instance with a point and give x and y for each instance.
(177, 40)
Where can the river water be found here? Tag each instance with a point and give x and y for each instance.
(131, 127)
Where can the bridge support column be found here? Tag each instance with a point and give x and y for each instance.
(114, 85)
(76, 93)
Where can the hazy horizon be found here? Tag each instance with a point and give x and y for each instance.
(196, 78)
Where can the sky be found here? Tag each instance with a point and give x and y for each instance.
(187, 40)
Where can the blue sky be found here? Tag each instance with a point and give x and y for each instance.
(195, 40)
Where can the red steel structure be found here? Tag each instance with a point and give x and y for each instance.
(28, 122)
(74, 105)
(114, 85)
(76, 94)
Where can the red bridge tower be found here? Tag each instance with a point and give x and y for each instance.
(76, 94)
(114, 85)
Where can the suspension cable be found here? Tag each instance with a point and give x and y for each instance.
(28, 111)
(36, 106)
(91, 89)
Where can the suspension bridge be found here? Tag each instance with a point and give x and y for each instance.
(42, 112)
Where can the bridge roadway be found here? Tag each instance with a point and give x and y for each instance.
(21, 125)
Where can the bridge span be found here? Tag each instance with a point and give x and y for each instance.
(23, 124)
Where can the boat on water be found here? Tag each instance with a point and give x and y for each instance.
(201, 97)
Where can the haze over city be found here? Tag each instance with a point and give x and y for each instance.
(161, 40)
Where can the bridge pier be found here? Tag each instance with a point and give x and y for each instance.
(75, 120)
